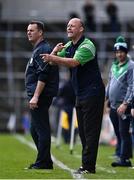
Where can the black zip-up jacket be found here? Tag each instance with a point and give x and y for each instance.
(37, 70)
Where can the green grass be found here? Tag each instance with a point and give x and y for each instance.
(15, 156)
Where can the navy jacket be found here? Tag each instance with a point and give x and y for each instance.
(38, 70)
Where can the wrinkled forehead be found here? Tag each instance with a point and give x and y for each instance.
(74, 22)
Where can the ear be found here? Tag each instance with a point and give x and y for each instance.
(81, 29)
(40, 32)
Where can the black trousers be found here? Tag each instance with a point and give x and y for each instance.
(115, 121)
(89, 114)
(41, 134)
(121, 128)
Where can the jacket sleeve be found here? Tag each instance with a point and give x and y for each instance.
(42, 68)
(129, 93)
(132, 102)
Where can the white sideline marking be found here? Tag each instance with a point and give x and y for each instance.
(57, 162)
(106, 170)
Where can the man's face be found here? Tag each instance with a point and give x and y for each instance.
(120, 55)
(74, 28)
(33, 33)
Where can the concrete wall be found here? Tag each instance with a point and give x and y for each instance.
(58, 10)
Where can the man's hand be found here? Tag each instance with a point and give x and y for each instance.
(33, 103)
(47, 58)
(121, 109)
(57, 48)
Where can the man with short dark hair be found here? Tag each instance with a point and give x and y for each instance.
(80, 55)
(41, 86)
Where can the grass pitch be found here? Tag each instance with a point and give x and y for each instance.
(15, 156)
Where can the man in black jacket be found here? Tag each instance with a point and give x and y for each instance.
(41, 85)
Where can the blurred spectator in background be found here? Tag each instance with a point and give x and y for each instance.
(66, 93)
(132, 112)
(26, 122)
(11, 125)
(0, 10)
(112, 12)
(73, 15)
(89, 18)
(107, 132)
(119, 96)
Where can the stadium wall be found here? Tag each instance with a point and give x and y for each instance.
(58, 10)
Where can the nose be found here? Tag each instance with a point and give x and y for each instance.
(69, 27)
(27, 32)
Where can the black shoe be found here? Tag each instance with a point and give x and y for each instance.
(81, 170)
(122, 163)
(33, 166)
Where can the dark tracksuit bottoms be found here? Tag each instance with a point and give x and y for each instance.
(121, 128)
(89, 114)
(115, 121)
(40, 131)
